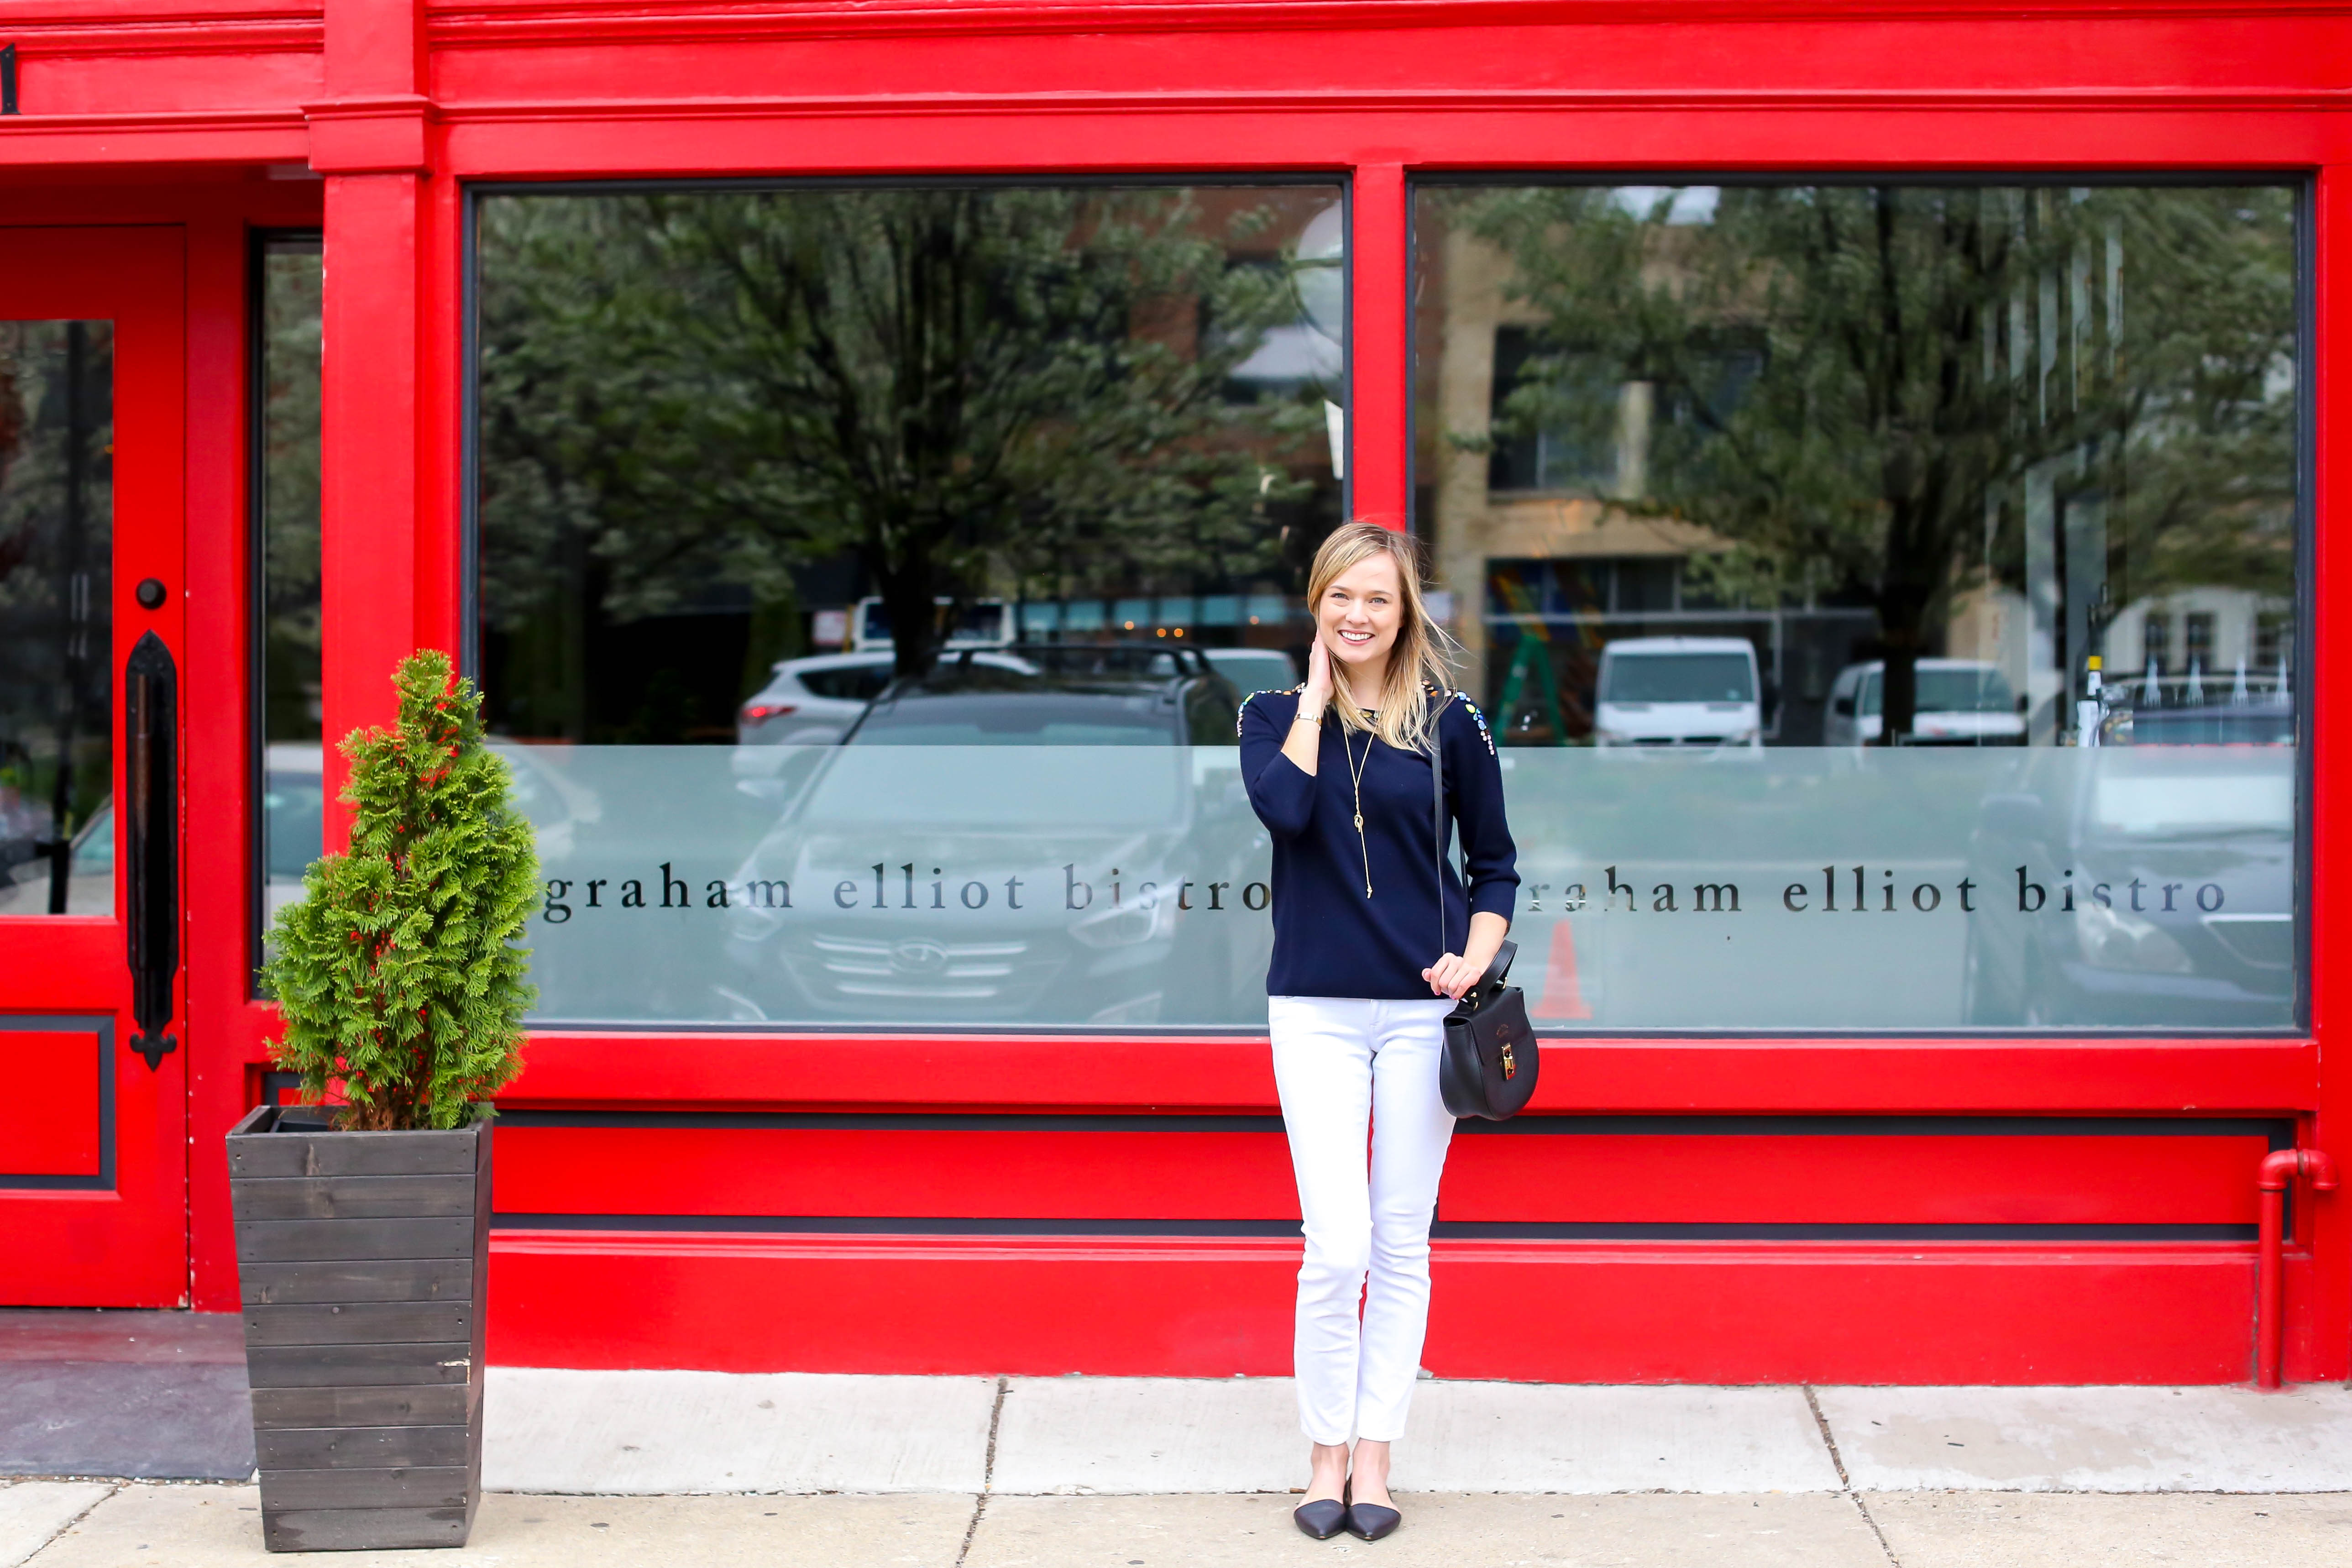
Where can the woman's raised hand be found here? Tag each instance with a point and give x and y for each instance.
(1318, 695)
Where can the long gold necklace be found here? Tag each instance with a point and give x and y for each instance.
(1356, 780)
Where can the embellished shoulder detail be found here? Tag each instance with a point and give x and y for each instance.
(1242, 712)
(1478, 718)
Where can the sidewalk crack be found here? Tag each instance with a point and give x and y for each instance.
(1845, 1482)
(113, 1490)
(987, 1472)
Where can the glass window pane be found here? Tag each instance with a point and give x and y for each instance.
(869, 578)
(287, 427)
(56, 583)
(1888, 593)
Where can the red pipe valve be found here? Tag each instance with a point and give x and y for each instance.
(2277, 1172)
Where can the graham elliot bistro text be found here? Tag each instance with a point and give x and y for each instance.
(1833, 889)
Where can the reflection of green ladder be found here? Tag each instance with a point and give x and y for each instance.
(1534, 652)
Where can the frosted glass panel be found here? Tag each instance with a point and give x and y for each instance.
(1797, 889)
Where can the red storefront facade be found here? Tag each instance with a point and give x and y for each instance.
(2010, 1206)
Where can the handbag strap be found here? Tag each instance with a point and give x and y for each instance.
(1437, 815)
(1499, 969)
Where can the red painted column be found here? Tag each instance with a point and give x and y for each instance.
(369, 139)
(2319, 1318)
(1379, 327)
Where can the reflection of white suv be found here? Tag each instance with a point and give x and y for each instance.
(1679, 692)
(1254, 668)
(812, 701)
(1961, 702)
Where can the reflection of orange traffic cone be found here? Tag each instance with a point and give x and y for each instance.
(1562, 998)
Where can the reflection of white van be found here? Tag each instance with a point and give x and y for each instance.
(983, 623)
(1679, 692)
(1962, 702)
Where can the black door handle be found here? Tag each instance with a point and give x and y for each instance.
(151, 816)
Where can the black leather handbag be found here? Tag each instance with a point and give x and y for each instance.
(1488, 1069)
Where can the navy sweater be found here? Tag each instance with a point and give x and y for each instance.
(1330, 940)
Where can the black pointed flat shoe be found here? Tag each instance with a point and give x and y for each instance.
(1321, 1519)
(1369, 1520)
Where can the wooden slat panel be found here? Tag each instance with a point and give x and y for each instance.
(358, 1279)
(304, 1240)
(436, 1405)
(333, 1366)
(264, 1154)
(354, 1197)
(434, 1486)
(2026, 1179)
(360, 1447)
(957, 1173)
(361, 1324)
(343, 1529)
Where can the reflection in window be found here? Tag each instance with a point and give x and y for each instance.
(286, 427)
(57, 576)
(869, 578)
(1996, 488)
(2075, 440)
(727, 432)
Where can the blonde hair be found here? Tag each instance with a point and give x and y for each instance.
(1416, 659)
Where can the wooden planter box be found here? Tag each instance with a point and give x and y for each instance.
(361, 1257)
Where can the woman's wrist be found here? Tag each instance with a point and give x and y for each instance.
(1485, 938)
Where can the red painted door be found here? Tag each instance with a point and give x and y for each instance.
(93, 677)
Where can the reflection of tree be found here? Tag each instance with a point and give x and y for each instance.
(56, 529)
(1858, 384)
(968, 389)
(290, 305)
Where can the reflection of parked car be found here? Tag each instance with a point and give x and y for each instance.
(293, 810)
(293, 818)
(1961, 702)
(814, 701)
(1679, 692)
(1013, 886)
(2157, 890)
(1254, 668)
(811, 701)
(90, 874)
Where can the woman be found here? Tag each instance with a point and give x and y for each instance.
(1364, 967)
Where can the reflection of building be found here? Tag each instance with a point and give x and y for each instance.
(2217, 633)
(1541, 541)
(1643, 411)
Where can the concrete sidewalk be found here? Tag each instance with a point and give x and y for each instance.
(214, 1525)
(661, 1468)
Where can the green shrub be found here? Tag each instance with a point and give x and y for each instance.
(398, 974)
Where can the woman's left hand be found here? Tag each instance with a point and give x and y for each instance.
(1454, 973)
(1451, 976)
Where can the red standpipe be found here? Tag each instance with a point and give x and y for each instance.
(2277, 1171)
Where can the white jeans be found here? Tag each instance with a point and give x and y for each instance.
(1342, 1063)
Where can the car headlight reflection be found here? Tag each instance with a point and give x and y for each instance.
(1122, 927)
(2111, 939)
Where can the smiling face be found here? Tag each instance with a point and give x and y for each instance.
(1360, 616)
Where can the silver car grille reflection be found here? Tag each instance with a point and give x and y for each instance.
(937, 970)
